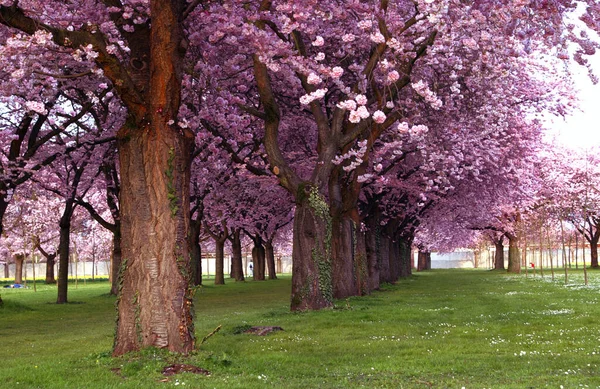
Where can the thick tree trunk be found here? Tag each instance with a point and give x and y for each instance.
(343, 258)
(405, 254)
(237, 266)
(50, 261)
(499, 256)
(219, 262)
(594, 253)
(196, 252)
(385, 267)
(361, 264)
(3, 206)
(270, 259)
(424, 260)
(258, 258)
(514, 256)
(117, 260)
(63, 251)
(395, 266)
(311, 256)
(19, 259)
(372, 247)
(155, 299)
(6, 270)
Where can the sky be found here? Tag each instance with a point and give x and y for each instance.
(581, 130)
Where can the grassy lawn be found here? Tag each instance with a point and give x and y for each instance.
(440, 329)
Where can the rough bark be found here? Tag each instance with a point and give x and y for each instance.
(514, 256)
(311, 257)
(594, 253)
(50, 262)
(385, 274)
(395, 264)
(154, 304)
(155, 299)
(5, 269)
(219, 262)
(63, 251)
(19, 260)
(361, 264)
(258, 258)
(424, 260)
(343, 258)
(373, 252)
(237, 265)
(405, 254)
(116, 259)
(196, 252)
(499, 255)
(3, 206)
(270, 259)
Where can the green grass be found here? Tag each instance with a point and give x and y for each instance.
(440, 329)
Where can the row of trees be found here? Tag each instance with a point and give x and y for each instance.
(378, 124)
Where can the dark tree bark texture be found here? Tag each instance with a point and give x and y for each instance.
(196, 252)
(499, 255)
(155, 298)
(19, 259)
(258, 258)
(424, 260)
(514, 256)
(63, 251)
(237, 265)
(311, 266)
(270, 259)
(373, 252)
(594, 253)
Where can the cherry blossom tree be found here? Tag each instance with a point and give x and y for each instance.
(315, 86)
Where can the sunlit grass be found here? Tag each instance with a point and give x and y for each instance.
(440, 329)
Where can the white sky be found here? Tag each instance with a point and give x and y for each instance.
(582, 129)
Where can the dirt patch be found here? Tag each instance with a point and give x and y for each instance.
(183, 368)
(262, 331)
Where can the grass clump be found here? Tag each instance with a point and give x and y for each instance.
(440, 329)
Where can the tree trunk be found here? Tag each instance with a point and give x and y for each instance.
(219, 262)
(360, 263)
(19, 259)
(196, 252)
(405, 256)
(594, 253)
(3, 205)
(50, 261)
(117, 260)
(499, 256)
(311, 256)
(63, 251)
(385, 273)
(514, 257)
(424, 260)
(372, 247)
(270, 259)
(237, 266)
(155, 300)
(258, 258)
(6, 275)
(394, 251)
(342, 260)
